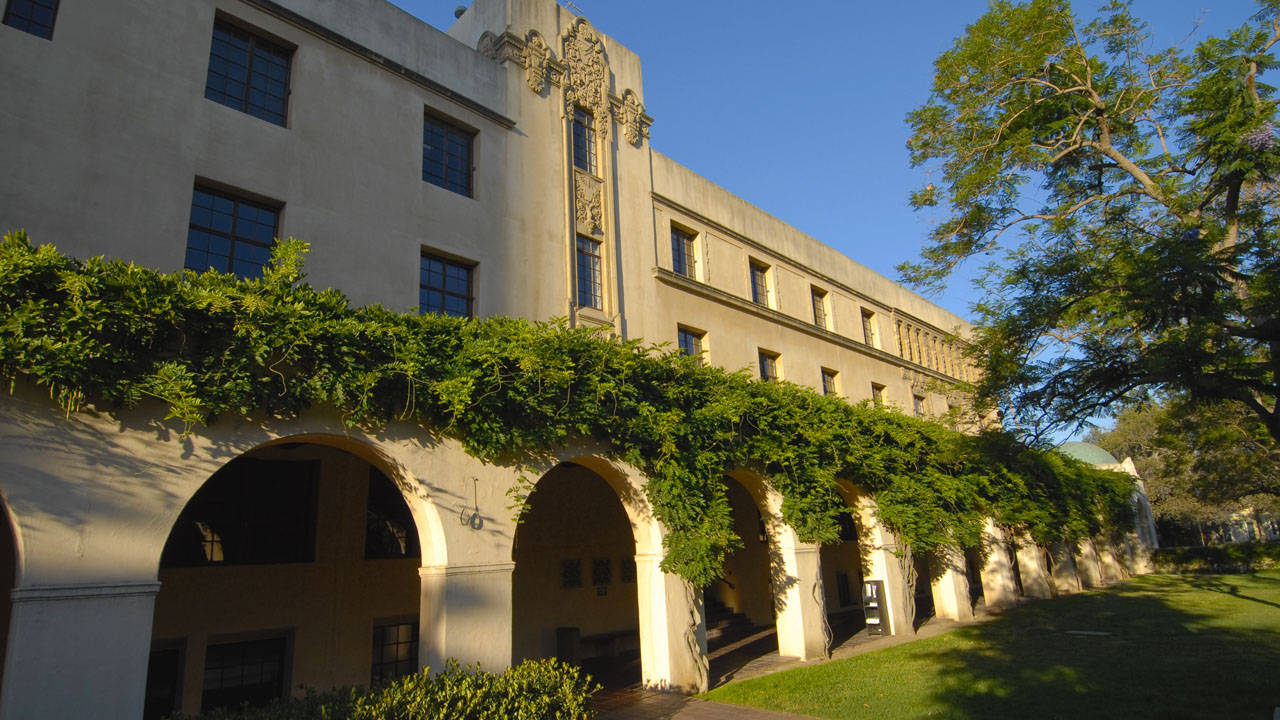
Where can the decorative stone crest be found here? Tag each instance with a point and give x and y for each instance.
(587, 208)
(586, 82)
(536, 54)
(487, 45)
(632, 117)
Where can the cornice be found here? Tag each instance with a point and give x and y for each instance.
(742, 305)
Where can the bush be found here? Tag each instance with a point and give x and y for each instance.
(1245, 557)
(532, 690)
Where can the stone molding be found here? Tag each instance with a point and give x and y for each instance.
(588, 208)
(467, 569)
(535, 56)
(586, 81)
(53, 593)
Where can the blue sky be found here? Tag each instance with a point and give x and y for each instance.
(799, 107)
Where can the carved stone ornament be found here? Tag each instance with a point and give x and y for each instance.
(632, 117)
(587, 74)
(487, 45)
(587, 209)
(536, 54)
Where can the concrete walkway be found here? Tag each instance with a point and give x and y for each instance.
(634, 703)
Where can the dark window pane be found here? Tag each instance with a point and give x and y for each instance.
(588, 273)
(389, 528)
(32, 16)
(243, 673)
(446, 155)
(444, 287)
(240, 231)
(248, 73)
(395, 651)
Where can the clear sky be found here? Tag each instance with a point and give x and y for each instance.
(799, 107)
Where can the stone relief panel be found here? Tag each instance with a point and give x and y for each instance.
(588, 208)
(536, 54)
(634, 128)
(586, 81)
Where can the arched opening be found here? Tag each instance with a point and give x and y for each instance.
(8, 578)
(574, 583)
(842, 573)
(295, 565)
(1012, 549)
(973, 564)
(923, 571)
(739, 607)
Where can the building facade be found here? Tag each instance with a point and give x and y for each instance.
(501, 168)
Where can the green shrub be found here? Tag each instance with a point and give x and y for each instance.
(532, 690)
(1245, 557)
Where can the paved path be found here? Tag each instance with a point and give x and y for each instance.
(636, 704)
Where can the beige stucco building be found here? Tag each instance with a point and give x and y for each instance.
(501, 168)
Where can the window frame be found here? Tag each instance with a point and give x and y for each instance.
(232, 237)
(879, 395)
(697, 336)
(583, 140)
(25, 23)
(920, 405)
(450, 130)
(870, 329)
(257, 37)
(684, 252)
(375, 661)
(830, 381)
(284, 637)
(589, 277)
(770, 365)
(821, 311)
(758, 277)
(447, 262)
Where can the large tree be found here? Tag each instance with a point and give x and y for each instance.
(1132, 192)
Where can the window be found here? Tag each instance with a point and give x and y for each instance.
(444, 287)
(918, 405)
(869, 334)
(571, 573)
(690, 342)
(250, 512)
(759, 283)
(878, 397)
(230, 234)
(683, 261)
(584, 140)
(601, 571)
(446, 155)
(819, 307)
(243, 673)
(389, 529)
(33, 16)
(395, 651)
(627, 570)
(768, 365)
(830, 382)
(248, 72)
(902, 352)
(164, 682)
(589, 287)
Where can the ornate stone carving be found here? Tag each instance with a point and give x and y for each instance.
(632, 117)
(536, 54)
(487, 45)
(587, 75)
(587, 208)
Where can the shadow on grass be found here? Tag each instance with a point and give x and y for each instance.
(1126, 653)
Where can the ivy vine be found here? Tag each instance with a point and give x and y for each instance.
(212, 346)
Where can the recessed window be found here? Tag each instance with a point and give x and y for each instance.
(571, 573)
(395, 651)
(683, 261)
(918, 405)
(446, 155)
(444, 286)
(244, 673)
(768, 365)
(588, 273)
(584, 140)
(250, 512)
(230, 234)
(820, 314)
(601, 571)
(869, 333)
(164, 681)
(32, 16)
(759, 283)
(248, 72)
(830, 382)
(690, 342)
(389, 528)
(878, 396)
(627, 570)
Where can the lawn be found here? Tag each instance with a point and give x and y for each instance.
(1177, 646)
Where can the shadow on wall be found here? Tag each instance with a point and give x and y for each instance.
(1143, 658)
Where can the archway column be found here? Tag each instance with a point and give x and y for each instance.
(1066, 579)
(1036, 581)
(673, 629)
(1112, 570)
(465, 615)
(998, 585)
(951, 589)
(884, 564)
(78, 651)
(798, 596)
(1088, 565)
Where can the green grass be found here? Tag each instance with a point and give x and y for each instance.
(1197, 646)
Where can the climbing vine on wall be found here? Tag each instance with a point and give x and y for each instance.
(213, 347)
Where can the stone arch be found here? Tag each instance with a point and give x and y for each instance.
(299, 551)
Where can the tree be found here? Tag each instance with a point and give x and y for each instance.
(1140, 185)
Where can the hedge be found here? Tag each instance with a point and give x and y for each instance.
(1245, 557)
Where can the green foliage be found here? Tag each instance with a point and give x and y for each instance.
(1142, 187)
(211, 345)
(532, 690)
(1245, 557)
